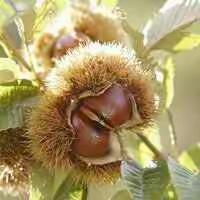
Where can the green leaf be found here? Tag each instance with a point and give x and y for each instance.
(8, 70)
(28, 18)
(187, 184)
(137, 38)
(11, 35)
(6, 12)
(64, 187)
(76, 195)
(122, 195)
(190, 158)
(173, 16)
(168, 81)
(2, 51)
(52, 185)
(170, 193)
(44, 12)
(6, 76)
(178, 41)
(41, 183)
(14, 102)
(105, 191)
(24, 10)
(145, 183)
(14, 92)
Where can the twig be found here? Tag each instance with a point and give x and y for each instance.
(144, 139)
(124, 154)
(172, 131)
(85, 192)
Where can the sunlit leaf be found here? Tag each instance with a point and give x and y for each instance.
(145, 183)
(122, 195)
(186, 183)
(189, 42)
(6, 76)
(179, 41)
(105, 191)
(77, 194)
(28, 19)
(11, 35)
(171, 17)
(64, 188)
(111, 3)
(190, 158)
(54, 185)
(8, 70)
(14, 92)
(3, 53)
(146, 154)
(168, 81)
(41, 183)
(14, 100)
(137, 38)
(6, 12)
(45, 10)
(170, 193)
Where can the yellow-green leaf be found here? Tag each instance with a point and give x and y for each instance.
(190, 158)
(172, 16)
(111, 3)
(8, 70)
(178, 41)
(189, 42)
(168, 82)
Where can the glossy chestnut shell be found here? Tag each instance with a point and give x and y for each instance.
(95, 118)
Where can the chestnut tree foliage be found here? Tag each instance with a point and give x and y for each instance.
(150, 176)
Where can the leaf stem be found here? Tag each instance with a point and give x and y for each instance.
(152, 147)
(124, 154)
(85, 192)
(172, 130)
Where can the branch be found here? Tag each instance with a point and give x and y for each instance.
(85, 192)
(172, 131)
(152, 147)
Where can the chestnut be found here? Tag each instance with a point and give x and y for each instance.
(92, 139)
(66, 42)
(113, 105)
(95, 117)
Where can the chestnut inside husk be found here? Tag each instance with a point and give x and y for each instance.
(96, 117)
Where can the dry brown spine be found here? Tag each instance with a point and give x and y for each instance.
(14, 161)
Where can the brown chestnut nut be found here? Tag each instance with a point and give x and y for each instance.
(92, 139)
(113, 105)
(67, 42)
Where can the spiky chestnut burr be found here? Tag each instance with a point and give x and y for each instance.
(14, 161)
(107, 23)
(79, 23)
(94, 92)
